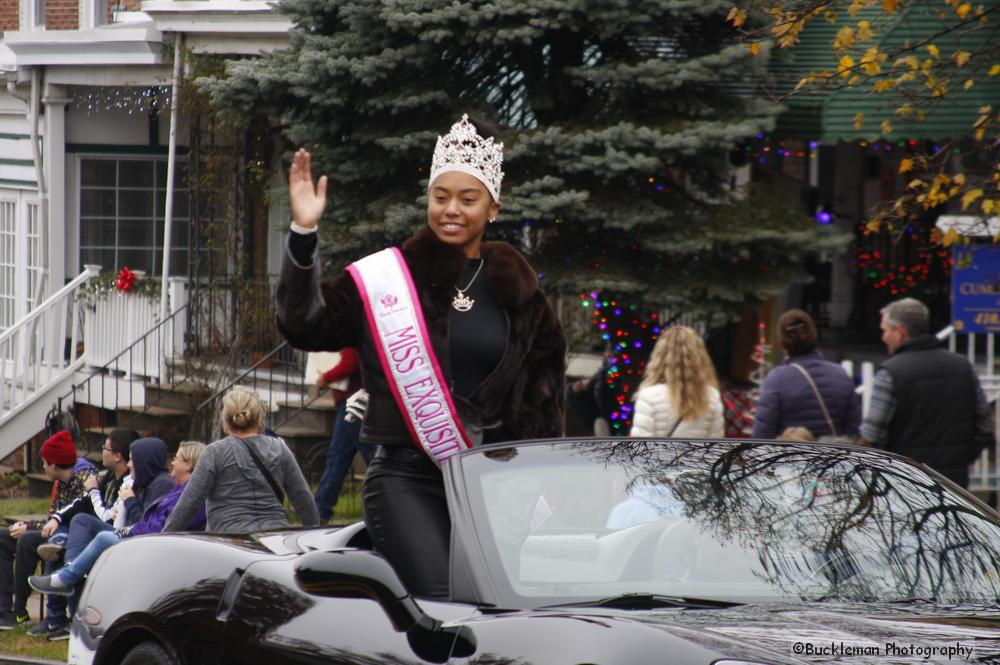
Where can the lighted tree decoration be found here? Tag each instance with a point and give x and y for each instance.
(761, 358)
(897, 262)
(629, 331)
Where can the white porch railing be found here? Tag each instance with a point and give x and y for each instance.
(119, 321)
(34, 359)
(984, 473)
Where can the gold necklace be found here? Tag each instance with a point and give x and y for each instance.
(462, 302)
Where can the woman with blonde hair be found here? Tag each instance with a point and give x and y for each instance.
(243, 478)
(679, 394)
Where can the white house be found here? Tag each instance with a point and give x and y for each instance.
(85, 149)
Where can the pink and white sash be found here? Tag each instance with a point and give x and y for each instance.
(404, 349)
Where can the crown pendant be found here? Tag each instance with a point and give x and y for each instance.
(462, 302)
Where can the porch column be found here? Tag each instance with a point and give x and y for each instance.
(55, 100)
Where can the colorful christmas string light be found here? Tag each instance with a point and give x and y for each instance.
(630, 332)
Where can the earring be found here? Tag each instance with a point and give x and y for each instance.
(492, 219)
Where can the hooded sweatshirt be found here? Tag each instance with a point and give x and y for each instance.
(156, 515)
(151, 479)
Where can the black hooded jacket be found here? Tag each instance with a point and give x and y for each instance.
(150, 478)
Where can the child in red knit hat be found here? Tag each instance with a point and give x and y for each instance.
(19, 544)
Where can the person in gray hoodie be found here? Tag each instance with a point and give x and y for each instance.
(244, 477)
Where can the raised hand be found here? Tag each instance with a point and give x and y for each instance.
(307, 201)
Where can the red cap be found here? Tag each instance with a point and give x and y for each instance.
(59, 449)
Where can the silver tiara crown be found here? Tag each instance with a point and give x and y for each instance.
(463, 149)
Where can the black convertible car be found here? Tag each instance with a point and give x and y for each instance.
(598, 552)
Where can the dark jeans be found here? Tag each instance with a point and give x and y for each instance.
(343, 445)
(407, 516)
(18, 561)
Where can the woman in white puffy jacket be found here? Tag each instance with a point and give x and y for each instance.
(679, 395)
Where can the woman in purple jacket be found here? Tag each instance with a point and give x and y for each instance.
(806, 390)
(64, 580)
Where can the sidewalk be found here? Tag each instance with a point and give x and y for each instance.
(27, 660)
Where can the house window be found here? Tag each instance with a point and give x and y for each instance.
(8, 282)
(121, 215)
(35, 267)
(37, 13)
(97, 10)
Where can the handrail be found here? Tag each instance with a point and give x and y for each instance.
(101, 371)
(104, 369)
(242, 376)
(210, 422)
(35, 361)
(86, 275)
(303, 405)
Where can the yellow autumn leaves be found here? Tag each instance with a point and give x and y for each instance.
(847, 36)
(941, 188)
(913, 76)
(932, 191)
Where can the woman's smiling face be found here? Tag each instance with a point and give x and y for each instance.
(458, 208)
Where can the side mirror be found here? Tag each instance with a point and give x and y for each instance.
(354, 573)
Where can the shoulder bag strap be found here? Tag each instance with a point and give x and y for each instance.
(674, 428)
(278, 493)
(819, 398)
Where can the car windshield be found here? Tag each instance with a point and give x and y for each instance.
(738, 521)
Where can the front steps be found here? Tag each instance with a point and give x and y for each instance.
(169, 410)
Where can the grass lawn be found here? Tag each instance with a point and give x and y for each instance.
(348, 508)
(10, 507)
(17, 641)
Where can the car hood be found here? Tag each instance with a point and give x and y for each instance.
(778, 628)
(769, 633)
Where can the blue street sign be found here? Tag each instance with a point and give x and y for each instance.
(975, 289)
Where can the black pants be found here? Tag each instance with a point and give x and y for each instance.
(407, 517)
(18, 560)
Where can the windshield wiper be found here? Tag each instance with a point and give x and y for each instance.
(648, 601)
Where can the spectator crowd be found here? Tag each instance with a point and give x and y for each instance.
(926, 403)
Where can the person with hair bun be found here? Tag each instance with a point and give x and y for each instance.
(806, 390)
(679, 394)
(243, 478)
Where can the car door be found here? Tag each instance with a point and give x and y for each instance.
(268, 619)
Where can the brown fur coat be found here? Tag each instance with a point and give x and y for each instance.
(522, 397)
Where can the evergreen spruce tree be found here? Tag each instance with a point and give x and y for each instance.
(618, 120)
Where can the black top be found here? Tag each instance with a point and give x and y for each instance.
(477, 338)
